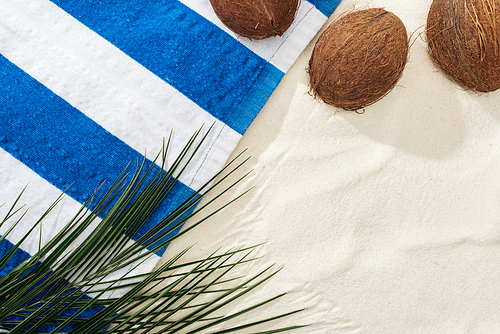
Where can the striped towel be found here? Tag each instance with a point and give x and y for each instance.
(88, 86)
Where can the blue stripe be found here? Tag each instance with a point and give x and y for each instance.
(325, 6)
(62, 145)
(248, 110)
(16, 259)
(180, 46)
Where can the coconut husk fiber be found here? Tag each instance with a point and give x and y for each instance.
(464, 40)
(257, 19)
(359, 58)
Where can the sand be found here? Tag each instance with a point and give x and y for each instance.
(384, 222)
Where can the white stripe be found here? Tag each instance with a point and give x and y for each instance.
(38, 197)
(281, 51)
(108, 86)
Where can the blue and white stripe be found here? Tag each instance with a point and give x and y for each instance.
(86, 86)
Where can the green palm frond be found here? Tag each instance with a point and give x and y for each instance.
(54, 289)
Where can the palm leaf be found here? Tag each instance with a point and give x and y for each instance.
(56, 288)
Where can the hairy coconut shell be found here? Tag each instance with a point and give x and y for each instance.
(359, 58)
(464, 40)
(256, 19)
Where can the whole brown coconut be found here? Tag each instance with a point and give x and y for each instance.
(359, 58)
(257, 19)
(464, 40)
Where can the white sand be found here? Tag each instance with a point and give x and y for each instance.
(385, 222)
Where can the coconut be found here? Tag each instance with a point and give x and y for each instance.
(464, 40)
(257, 19)
(358, 59)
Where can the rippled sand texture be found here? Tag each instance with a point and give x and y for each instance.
(385, 222)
